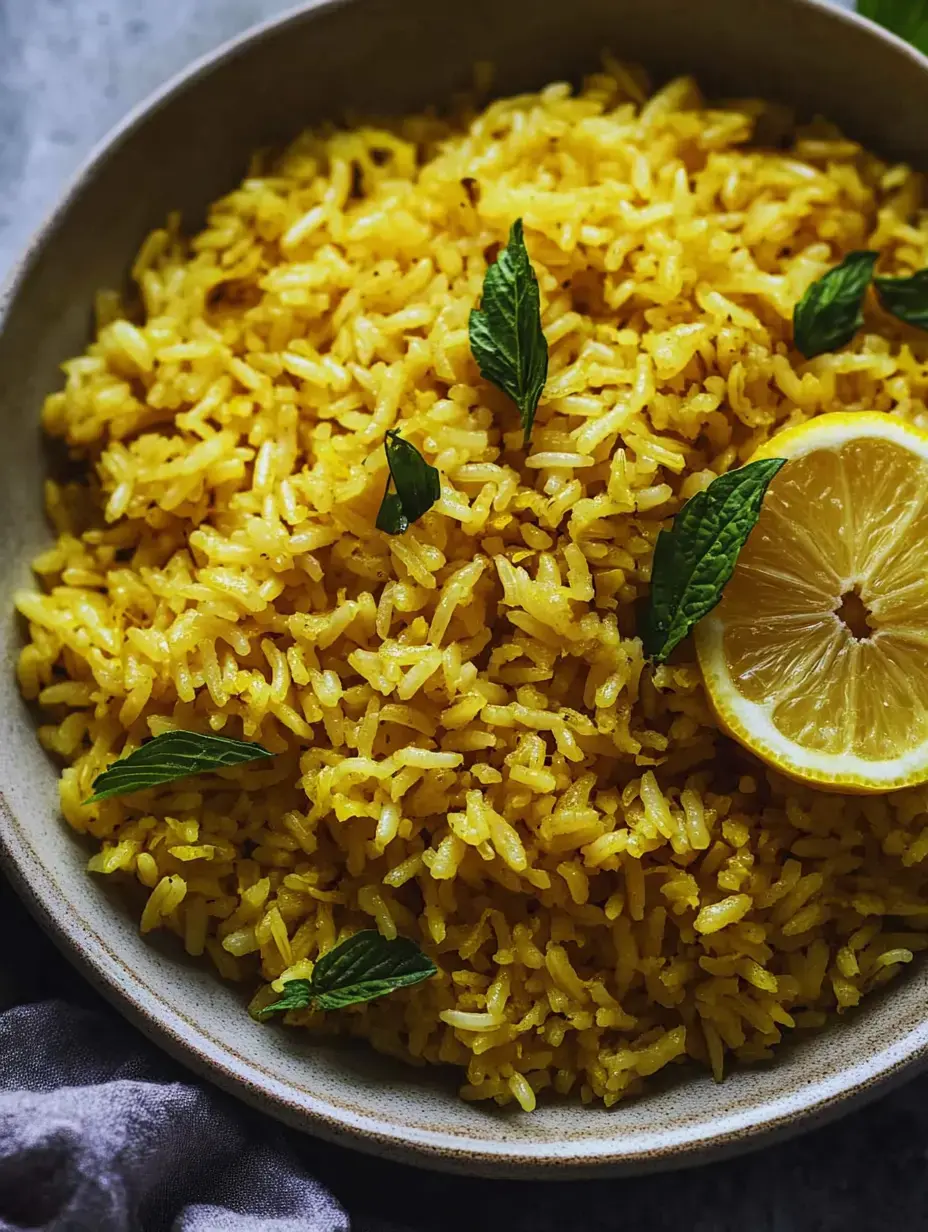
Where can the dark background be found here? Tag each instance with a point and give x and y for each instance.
(68, 70)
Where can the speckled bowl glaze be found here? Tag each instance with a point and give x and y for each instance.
(182, 149)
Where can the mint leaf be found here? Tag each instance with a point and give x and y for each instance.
(417, 483)
(907, 18)
(390, 517)
(172, 755)
(905, 298)
(506, 337)
(366, 966)
(297, 995)
(829, 313)
(694, 560)
(358, 969)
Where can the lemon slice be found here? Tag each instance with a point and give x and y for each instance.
(816, 658)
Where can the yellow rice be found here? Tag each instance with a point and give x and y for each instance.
(472, 751)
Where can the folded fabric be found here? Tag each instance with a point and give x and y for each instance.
(98, 1133)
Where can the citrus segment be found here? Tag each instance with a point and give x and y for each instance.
(817, 656)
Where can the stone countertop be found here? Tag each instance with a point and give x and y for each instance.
(68, 70)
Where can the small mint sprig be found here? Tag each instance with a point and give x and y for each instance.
(905, 298)
(830, 312)
(172, 755)
(506, 337)
(416, 486)
(694, 560)
(360, 968)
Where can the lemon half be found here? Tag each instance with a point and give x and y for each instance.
(816, 658)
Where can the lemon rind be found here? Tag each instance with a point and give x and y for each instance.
(751, 723)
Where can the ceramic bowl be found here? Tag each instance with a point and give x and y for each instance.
(185, 147)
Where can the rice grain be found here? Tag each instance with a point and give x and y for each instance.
(471, 749)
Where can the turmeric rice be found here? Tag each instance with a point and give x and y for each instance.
(471, 749)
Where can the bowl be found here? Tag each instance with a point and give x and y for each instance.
(181, 149)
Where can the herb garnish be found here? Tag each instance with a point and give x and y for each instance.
(506, 337)
(360, 968)
(694, 560)
(829, 313)
(905, 298)
(417, 484)
(172, 755)
(907, 18)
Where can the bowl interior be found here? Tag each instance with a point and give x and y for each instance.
(388, 56)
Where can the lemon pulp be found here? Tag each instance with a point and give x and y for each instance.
(817, 656)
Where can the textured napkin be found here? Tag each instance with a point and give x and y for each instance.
(98, 1133)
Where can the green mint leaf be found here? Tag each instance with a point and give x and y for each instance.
(506, 337)
(297, 995)
(417, 484)
(390, 516)
(905, 298)
(829, 314)
(366, 966)
(358, 969)
(907, 18)
(694, 560)
(172, 755)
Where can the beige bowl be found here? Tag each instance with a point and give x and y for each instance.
(182, 149)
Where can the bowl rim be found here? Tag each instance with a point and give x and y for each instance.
(680, 1145)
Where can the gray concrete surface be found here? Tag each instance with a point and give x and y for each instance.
(68, 70)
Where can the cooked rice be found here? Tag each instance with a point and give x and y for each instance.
(472, 750)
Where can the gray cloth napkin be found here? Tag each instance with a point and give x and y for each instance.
(98, 1135)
